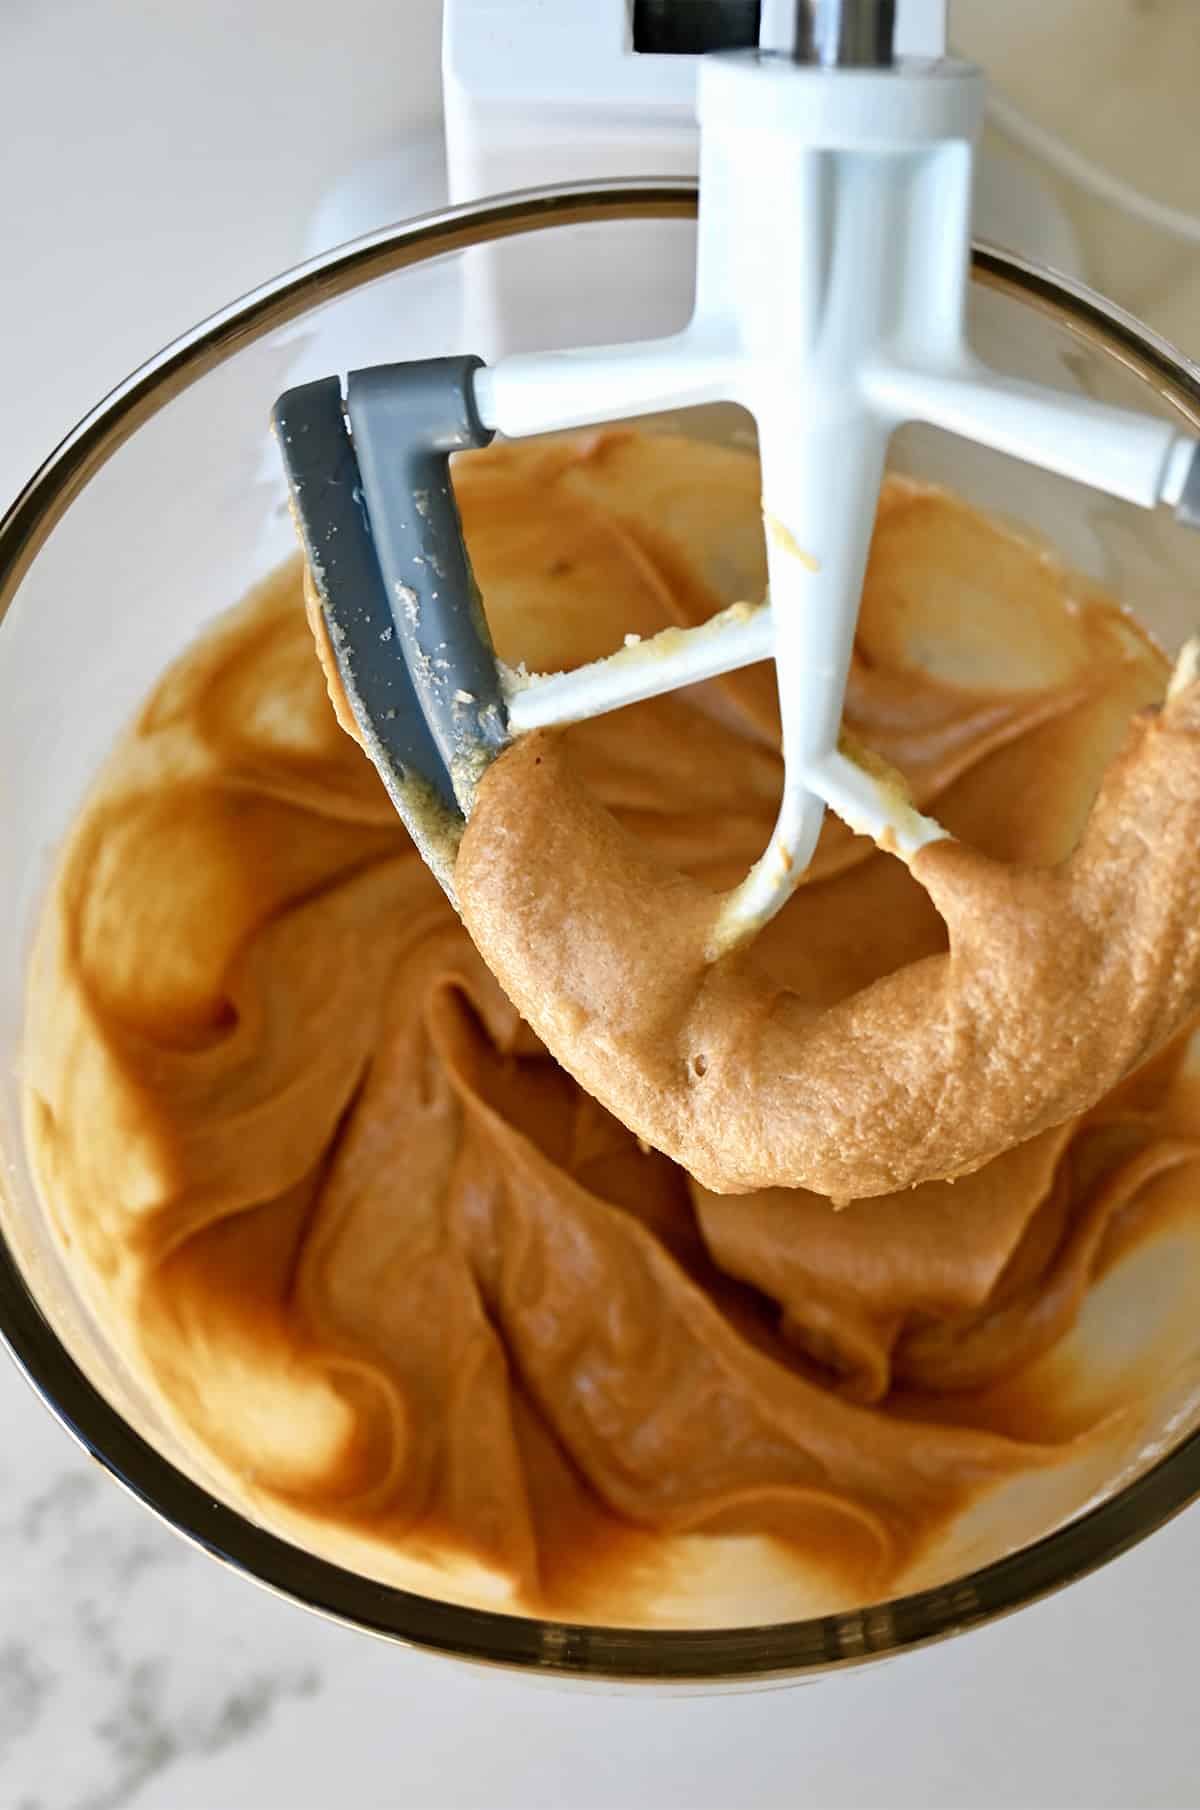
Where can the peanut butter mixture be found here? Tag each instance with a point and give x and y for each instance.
(410, 1291)
(1057, 983)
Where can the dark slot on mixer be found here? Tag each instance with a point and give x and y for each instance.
(691, 27)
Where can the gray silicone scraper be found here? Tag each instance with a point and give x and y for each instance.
(371, 494)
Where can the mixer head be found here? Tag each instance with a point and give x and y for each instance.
(832, 264)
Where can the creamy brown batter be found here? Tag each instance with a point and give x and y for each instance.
(407, 1286)
(1058, 980)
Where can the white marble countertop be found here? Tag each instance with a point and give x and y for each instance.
(158, 159)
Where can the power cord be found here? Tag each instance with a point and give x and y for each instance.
(1100, 183)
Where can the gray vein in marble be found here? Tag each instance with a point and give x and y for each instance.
(143, 1741)
(25, 1687)
(123, 1652)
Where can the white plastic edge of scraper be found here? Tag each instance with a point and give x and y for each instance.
(738, 636)
(870, 807)
(1121, 451)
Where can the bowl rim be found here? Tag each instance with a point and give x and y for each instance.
(712, 1657)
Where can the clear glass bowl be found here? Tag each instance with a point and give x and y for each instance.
(160, 510)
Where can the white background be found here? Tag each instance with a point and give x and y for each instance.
(158, 158)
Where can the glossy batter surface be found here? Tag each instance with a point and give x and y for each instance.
(409, 1287)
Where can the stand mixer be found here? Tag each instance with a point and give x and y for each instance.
(831, 269)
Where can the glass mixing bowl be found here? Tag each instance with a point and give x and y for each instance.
(160, 510)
